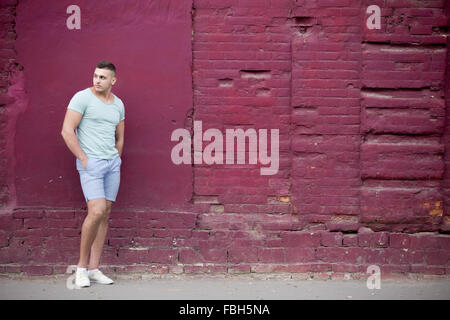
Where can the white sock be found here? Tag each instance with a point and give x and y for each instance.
(91, 271)
(81, 269)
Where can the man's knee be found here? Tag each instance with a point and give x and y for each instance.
(98, 209)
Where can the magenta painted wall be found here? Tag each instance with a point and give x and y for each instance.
(151, 48)
(362, 115)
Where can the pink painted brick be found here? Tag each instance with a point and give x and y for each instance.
(300, 239)
(38, 254)
(273, 243)
(7, 223)
(444, 241)
(399, 240)
(416, 256)
(122, 223)
(176, 269)
(123, 215)
(351, 268)
(132, 269)
(200, 234)
(120, 241)
(4, 238)
(437, 257)
(38, 270)
(178, 233)
(62, 223)
(153, 242)
(205, 269)
(331, 239)
(392, 271)
(240, 268)
(132, 255)
(242, 254)
(157, 269)
(435, 270)
(365, 240)
(23, 233)
(424, 241)
(320, 267)
(152, 215)
(346, 255)
(376, 256)
(109, 256)
(28, 214)
(30, 223)
(330, 254)
(271, 255)
(380, 240)
(354, 255)
(69, 232)
(162, 255)
(291, 268)
(189, 255)
(299, 255)
(119, 232)
(397, 256)
(14, 255)
(418, 268)
(25, 242)
(142, 232)
(350, 240)
(60, 214)
(181, 220)
(12, 268)
(214, 254)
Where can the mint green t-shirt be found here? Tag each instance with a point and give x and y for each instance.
(96, 132)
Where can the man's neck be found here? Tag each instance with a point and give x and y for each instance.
(105, 95)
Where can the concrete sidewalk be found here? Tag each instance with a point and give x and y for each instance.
(210, 287)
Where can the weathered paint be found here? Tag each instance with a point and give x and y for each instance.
(150, 44)
(364, 133)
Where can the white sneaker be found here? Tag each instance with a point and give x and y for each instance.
(81, 278)
(98, 277)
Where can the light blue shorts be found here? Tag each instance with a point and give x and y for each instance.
(100, 178)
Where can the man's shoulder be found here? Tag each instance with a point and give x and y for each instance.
(79, 101)
(120, 102)
(82, 93)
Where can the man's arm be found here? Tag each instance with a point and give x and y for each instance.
(120, 130)
(71, 122)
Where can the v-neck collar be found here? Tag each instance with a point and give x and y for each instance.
(101, 99)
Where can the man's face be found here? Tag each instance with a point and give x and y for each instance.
(103, 79)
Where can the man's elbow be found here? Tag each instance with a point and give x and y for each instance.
(66, 132)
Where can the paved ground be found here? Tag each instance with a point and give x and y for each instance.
(215, 288)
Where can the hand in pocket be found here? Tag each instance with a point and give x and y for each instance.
(84, 163)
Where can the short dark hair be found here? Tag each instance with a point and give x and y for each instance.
(106, 65)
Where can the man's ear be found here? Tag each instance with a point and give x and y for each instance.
(114, 79)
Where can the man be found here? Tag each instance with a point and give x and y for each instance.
(98, 116)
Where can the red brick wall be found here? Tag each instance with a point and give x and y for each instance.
(445, 226)
(363, 176)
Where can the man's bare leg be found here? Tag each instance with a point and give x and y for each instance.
(89, 230)
(97, 245)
